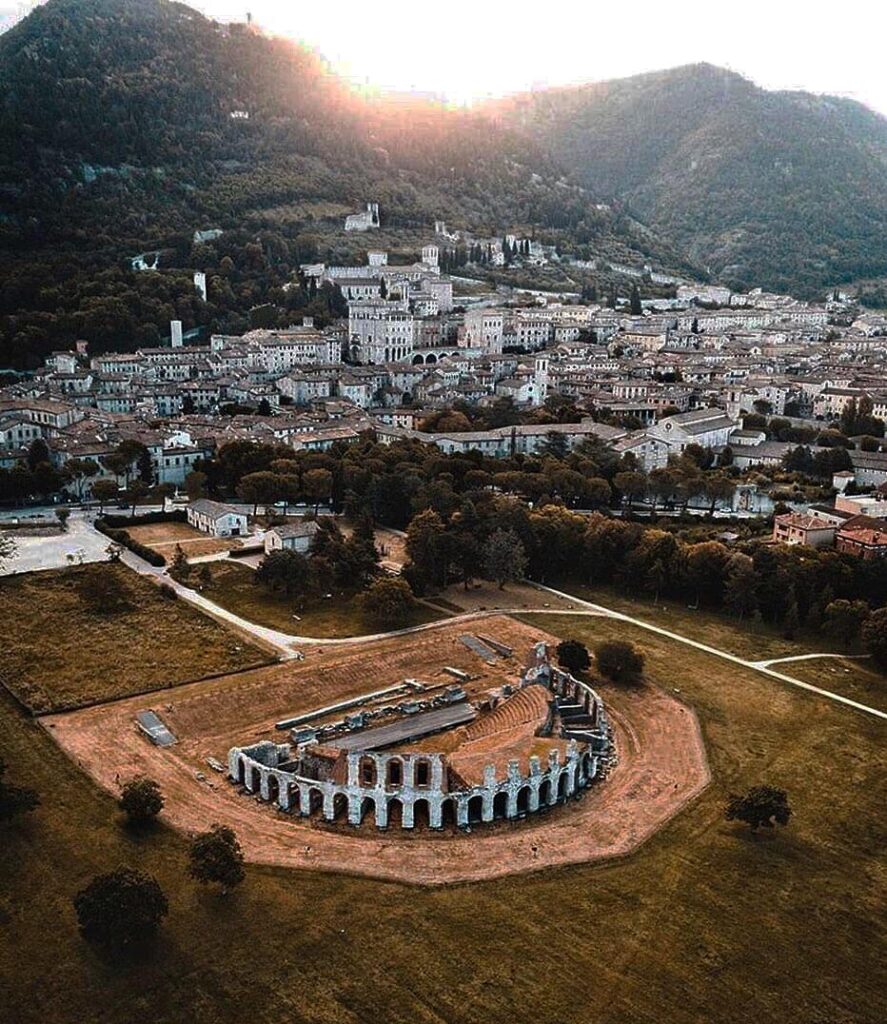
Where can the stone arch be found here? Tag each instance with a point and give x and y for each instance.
(394, 772)
(523, 800)
(340, 806)
(563, 780)
(395, 813)
(241, 771)
(273, 788)
(295, 798)
(476, 809)
(418, 360)
(500, 805)
(587, 770)
(421, 813)
(255, 779)
(315, 800)
(367, 772)
(368, 810)
(430, 359)
(449, 812)
(545, 793)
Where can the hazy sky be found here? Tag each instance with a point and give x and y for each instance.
(467, 49)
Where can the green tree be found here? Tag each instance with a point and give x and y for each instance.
(63, 515)
(141, 801)
(104, 491)
(196, 484)
(121, 908)
(760, 807)
(425, 546)
(844, 620)
(874, 637)
(260, 487)
(504, 557)
(635, 306)
(740, 586)
(285, 572)
(216, 858)
(388, 603)
(318, 486)
(619, 661)
(573, 656)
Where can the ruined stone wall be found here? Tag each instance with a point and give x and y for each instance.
(409, 790)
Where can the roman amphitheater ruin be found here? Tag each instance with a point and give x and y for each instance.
(430, 758)
(348, 766)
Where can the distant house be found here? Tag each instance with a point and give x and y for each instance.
(863, 537)
(217, 519)
(290, 537)
(796, 528)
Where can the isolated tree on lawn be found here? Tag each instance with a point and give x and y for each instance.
(141, 801)
(216, 858)
(121, 908)
(505, 558)
(15, 800)
(620, 661)
(760, 807)
(573, 656)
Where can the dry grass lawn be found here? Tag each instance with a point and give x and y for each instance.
(706, 924)
(164, 537)
(59, 653)
(234, 587)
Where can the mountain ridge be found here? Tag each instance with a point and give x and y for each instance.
(782, 188)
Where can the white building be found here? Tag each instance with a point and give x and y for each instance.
(290, 537)
(217, 519)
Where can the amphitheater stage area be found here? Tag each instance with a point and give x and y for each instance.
(661, 759)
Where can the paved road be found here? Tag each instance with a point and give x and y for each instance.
(756, 666)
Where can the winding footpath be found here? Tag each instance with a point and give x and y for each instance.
(287, 645)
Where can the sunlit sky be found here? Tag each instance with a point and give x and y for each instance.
(471, 49)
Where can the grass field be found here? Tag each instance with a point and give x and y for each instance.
(850, 677)
(57, 653)
(233, 587)
(706, 924)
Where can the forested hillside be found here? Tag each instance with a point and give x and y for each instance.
(786, 190)
(117, 137)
